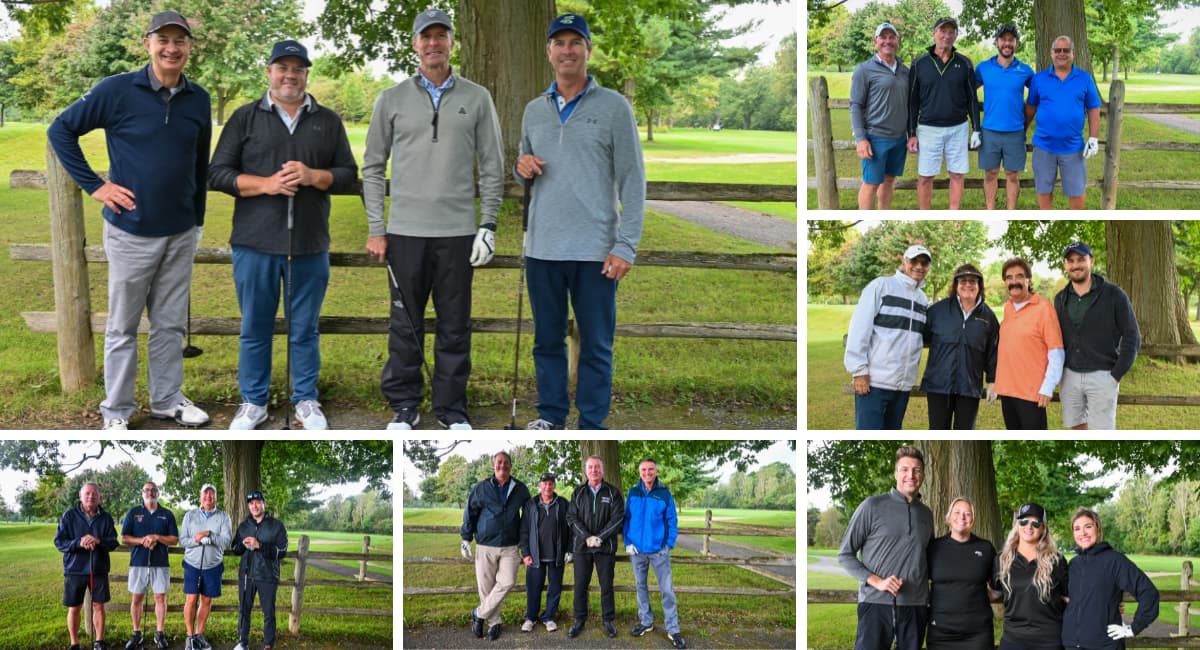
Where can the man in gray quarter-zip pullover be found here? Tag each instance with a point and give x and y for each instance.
(437, 128)
(879, 118)
(891, 531)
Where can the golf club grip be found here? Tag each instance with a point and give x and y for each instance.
(525, 198)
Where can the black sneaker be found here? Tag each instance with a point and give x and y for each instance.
(575, 629)
(160, 640)
(135, 641)
(494, 632)
(453, 421)
(73, 646)
(200, 643)
(610, 629)
(99, 644)
(677, 640)
(639, 629)
(476, 625)
(405, 419)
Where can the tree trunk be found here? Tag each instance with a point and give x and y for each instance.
(242, 461)
(649, 126)
(1116, 60)
(1056, 18)
(607, 450)
(513, 68)
(1141, 259)
(222, 100)
(962, 468)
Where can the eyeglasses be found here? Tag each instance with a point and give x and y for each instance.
(149, 490)
(1061, 50)
(968, 280)
(919, 262)
(1029, 522)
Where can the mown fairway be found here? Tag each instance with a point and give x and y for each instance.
(757, 375)
(32, 615)
(828, 408)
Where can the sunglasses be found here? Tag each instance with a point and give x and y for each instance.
(1029, 522)
(1061, 50)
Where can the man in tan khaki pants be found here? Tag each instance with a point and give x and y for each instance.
(493, 518)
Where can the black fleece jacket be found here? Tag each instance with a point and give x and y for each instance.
(601, 515)
(942, 94)
(1107, 338)
(1099, 576)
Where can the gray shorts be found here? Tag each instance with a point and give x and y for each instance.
(157, 578)
(1046, 166)
(1089, 397)
(937, 142)
(1006, 146)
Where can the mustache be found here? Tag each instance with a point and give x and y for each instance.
(1016, 285)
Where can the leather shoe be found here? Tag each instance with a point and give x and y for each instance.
(610, 629)
(494, 632)
(575, 629)
(476, 625)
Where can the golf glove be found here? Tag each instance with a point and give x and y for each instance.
(1091, 148)
(991, 394)
(975, 141)
(1118, 632)
(484, 248)
(594, 542)
(206, 540)
(199, 236)
(630, 550)
(466, 549)
(568, 558)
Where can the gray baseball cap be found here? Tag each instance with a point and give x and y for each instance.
(430, 17)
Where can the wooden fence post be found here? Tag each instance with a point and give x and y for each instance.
(822, 135)
(87, 615)
(1112, 149)
(362, 566)
(1185, 583)
(298, 588)
(72, 296)
(708, 525)
(572, 354)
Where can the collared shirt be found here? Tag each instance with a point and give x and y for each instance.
(158, 86)
(595, 488)
(1003, 93)
(436, 91)
(1062, 105)
(502, 489)
(890, 66)
(1077, 305)
(565, 108)
(288, 120)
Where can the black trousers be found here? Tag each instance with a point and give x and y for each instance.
(952, 411)
(605, 566)
(247, 588)
(937, 638)
(876, 632)
(1022, 414)
(422, 265)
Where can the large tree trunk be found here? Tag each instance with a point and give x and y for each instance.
(962, 468)
(1141, 259)
(1056, 18)
(513, 68)
(242, 461)
(607, 450)
(1116, 60)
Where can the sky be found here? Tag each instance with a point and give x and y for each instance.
(777, 452)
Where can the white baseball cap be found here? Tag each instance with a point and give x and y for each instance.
(883, 26)
(916, 250)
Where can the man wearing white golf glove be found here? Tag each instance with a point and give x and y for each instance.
(651, 527)
(1118, 632)
(975, 140)
(630, 549)
(493, 518)
(1091, 148)
(1060, 97)
(596, 514)
(484, 247)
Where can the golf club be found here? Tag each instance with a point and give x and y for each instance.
(190, 351)
(399, 304)
(287, 312)
(895, 630)
(520, 297)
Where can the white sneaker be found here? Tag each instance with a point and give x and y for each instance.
(527, 626)
(308, 411)
(406, 419)
(241, 646)
(185, 413)
(116, 424)
(248, 417)
(551, 626)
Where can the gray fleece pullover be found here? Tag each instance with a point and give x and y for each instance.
(436, 152)
(205, 556)
(592, 160)
(879, 100)
(892, 534)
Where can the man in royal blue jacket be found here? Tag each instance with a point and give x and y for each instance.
(651, 527)
(86, 534)
(158, 126)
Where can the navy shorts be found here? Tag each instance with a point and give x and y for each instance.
(1006, 146)
(887, 159)
(75, 585)
(1046, 167)
(205, 583)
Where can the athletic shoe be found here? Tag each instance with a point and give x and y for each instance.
(494, 632)
(543, 425)
(527, 626)
(160, 640)
(550, 626)
(308, 411)
(640, 629)
(248, 417)
(74, 646)
(454, 422)
(135, 640)
(610, 629)
(200, 643)
(575, 629)
(476, 625)
(677, 640)
(187, 643)
(242, 646)
(407, 419)
(116, 424)
(99, 644)
(185, 413)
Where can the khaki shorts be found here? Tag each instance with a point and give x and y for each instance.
(157, 578)
(1089, 398)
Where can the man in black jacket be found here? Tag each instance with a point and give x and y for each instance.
(280, 157)
(86, 534)
(546, 550)
(596, 516)
(1101, 338)
(262, 542)
(493, 518)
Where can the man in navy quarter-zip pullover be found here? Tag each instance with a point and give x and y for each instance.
(158, 126)
(579, 142)
(437, 128)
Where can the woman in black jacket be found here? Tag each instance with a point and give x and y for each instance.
(545, 550)
(1098, 576)
(962, 334)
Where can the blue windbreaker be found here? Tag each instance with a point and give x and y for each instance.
(72, 527)
(650, 519)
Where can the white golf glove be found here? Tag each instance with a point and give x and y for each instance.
(975, 141)
(567, 558)
(465, 547)
(594, 542)
(630, 550)
(1091, 148)
(1118, 632)
(199, 236)
(206, 540)
(991, 394)
(484, 248)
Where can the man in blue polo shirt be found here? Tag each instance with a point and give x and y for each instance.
(879, 118)
(1060, 96)
(1004, 79)
(149, 529)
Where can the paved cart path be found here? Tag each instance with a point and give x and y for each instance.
(729, 220)
(1181, 122)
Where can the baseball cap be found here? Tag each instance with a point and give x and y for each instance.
(944, 20)
(1007, 28)
(1032, 510)
(254, 495)
(1078, 247)
(290, 48)
(431, 17)
(885, 25)
(573, 22)
(547, 477)
(208, 486)
(167, 18)
(916, 249)
(969, 272)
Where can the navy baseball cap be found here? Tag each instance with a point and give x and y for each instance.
(166, 19)
(1001, 30)
(290, 48)
(573, 22)
(1078, 247)
(254, 495)
(427, 19)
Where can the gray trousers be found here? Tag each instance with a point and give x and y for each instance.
(151, 274)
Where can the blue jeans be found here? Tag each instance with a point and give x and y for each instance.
(535, 579)
(880, 409)
(661, 561)
(259, 279)
(594, 300)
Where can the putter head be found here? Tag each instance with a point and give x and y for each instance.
(191, 352)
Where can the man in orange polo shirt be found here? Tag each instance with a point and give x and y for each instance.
(1030, 359)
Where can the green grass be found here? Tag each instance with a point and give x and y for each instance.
(649, 371)
(828, 408)
(32, 614)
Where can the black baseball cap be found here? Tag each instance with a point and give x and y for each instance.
(290, 48)
(547, 477)
(254, 495)
(944, 20)
(166, 19)
(1078, 247)
(1001, 30)
(1032, 510)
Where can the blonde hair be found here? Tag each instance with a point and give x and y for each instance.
(950, 510)
(1047, 557)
